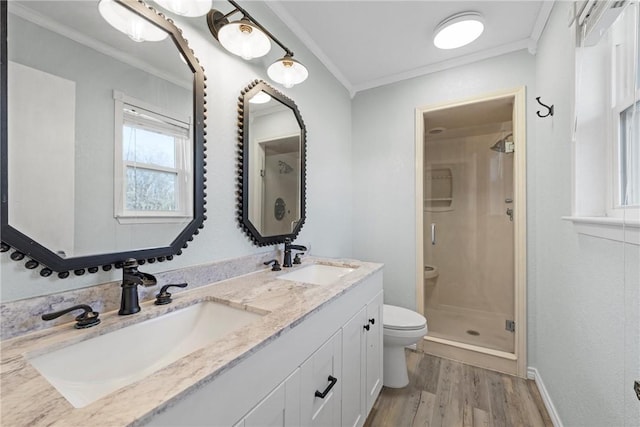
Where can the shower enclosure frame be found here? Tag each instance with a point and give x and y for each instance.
(512, 363)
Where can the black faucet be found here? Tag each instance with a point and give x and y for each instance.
(287, 252)
(131, 278)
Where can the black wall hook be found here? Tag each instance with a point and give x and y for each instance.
(549, 109)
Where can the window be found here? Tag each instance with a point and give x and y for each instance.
(607, 120)
(625, 95)
(629, 157)
(153, 156)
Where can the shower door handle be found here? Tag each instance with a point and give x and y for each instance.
(433, 233)
(510, 214)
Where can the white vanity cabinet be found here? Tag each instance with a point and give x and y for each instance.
(361, 362)
(277, 384)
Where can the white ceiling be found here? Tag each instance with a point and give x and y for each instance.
(369, 43)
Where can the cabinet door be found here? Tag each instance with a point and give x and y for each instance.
(373, 339)
(292, 399)
(269, 412)
(316, 372)
(354, 370)
(280, 408)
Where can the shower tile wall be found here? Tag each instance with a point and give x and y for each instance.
(473, 294)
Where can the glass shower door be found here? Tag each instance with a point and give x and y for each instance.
(469, 235)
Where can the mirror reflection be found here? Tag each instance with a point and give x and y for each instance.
(273, 178)
(100, 132)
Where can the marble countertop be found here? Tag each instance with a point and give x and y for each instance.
(28, 399)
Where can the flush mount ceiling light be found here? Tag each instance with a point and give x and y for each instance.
(191, 8)
(248, 39)
(126, 21)
(458, 30)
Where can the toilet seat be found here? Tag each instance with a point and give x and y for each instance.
(401, 319)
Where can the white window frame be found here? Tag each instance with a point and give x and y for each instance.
(183, 170)
(623, 94)
(614, 222)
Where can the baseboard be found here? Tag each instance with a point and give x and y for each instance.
(533, 374)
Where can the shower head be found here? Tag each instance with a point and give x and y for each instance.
(501, 145)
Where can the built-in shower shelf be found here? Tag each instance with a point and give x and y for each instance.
(438, 189)
(440, 204)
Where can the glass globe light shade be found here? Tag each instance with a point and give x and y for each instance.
(244, 39)
(128, 22)
(287, 71)
(191, 8)
(260, 98)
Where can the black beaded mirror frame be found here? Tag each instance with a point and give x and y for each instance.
(243, 163)
(37, 255)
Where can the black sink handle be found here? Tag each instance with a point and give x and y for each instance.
(276, 264)
(164, 297)
(332, 381)
(87, 319)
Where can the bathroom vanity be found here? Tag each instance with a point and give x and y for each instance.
(310, 355)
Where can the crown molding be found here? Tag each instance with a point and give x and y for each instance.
(529, 43)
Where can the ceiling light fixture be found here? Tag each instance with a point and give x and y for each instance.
(190, 8)
(248, 39)
(458, 30)
(130, 23)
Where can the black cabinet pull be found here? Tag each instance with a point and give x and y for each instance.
(372, 321)
(367, 327)
(332, 382)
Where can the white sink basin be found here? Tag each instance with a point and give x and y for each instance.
(86, 371)
(317, 274)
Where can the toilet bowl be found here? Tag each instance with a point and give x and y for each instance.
(430, 279)
(431, 272)
(402, 327)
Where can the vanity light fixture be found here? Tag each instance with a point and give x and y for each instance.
(248, 39)
(458, 30)
(287, 71)
(244, 39)
(128, 22)
(260, 98)
(190, 8)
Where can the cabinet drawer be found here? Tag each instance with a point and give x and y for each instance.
(321, 385)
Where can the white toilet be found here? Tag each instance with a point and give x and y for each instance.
(402, 327)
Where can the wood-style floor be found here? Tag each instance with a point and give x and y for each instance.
(445, 393)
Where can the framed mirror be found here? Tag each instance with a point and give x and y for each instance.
(271, 166)
(102, 137)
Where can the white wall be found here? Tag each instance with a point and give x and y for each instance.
(583, 292)
(325, 108)
(585, 309)
(384, 158)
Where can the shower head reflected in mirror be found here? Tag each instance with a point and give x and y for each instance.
(504, 146)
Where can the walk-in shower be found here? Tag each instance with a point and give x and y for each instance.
(468, 231)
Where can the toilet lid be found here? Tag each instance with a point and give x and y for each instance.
(400, 318)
